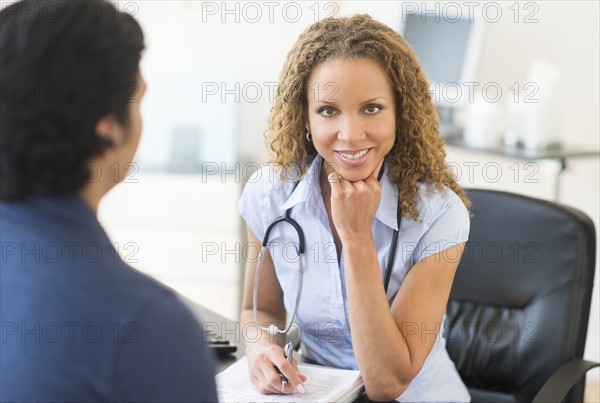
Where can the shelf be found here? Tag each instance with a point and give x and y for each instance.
(560, 153)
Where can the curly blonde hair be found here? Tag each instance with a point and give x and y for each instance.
(418, 153)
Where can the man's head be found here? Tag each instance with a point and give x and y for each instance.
(70, 92)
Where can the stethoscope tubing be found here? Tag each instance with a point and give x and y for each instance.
(272, 330)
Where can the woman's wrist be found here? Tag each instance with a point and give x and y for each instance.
(264, 340)
(351, 241)
(252, 345)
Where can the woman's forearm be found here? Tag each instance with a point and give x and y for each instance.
(381, 351)
(252, 333)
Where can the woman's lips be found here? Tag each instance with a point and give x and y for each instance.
(353, 157)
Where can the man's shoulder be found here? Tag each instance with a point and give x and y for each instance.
(140, 297)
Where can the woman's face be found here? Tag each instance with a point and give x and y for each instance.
(351, 115)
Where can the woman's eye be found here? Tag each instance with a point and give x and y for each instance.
(372, 109)
(327, 111)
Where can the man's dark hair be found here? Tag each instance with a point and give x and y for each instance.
(64, 65)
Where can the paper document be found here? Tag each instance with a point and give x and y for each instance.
(323, 384)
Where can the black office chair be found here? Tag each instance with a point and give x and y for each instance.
(518, 313)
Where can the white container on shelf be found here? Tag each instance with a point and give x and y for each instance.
(540, 114)
(485, 124)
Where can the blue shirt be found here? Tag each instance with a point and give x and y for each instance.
(78, 324)
(323, 310)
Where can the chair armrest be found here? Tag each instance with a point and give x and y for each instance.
(563, 379)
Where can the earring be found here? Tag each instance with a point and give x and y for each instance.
(308, 137)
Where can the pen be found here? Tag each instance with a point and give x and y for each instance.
(288, 351)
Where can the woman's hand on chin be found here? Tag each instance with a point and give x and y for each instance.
(353, 205)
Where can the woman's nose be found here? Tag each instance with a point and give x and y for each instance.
(351, 130)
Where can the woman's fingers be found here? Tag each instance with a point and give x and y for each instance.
(269, 381)
(262, 385)
(302, 376)
(268, 369)
(290, 371)
(335, 181)
(264, 370)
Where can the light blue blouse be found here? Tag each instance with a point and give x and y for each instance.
(323, 310)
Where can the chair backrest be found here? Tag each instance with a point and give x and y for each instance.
(520, 301)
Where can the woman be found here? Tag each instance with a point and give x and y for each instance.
(354, 138)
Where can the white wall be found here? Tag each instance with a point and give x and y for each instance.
(220, 40)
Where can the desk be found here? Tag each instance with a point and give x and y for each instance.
(561, 155)
(231, 331)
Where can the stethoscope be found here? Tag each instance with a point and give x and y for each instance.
(286, 218)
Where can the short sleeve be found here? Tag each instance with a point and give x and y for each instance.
(251, 203)
(162, 358)
(449, 228)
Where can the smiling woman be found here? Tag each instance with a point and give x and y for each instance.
(418, 153)
(355, 141)
(354, 128)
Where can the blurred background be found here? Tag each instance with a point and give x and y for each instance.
(516, 84)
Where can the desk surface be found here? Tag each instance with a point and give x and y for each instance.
(231, 331)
